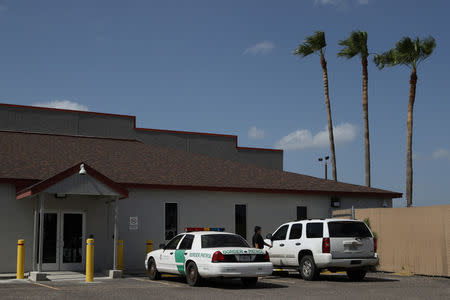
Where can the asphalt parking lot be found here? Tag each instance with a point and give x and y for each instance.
(375, 286)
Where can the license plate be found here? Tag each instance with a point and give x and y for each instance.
(245, 258)
(355, 262)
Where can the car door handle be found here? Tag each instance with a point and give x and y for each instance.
(281, 245)
(185, 253)
(298, 244)
(171, 253)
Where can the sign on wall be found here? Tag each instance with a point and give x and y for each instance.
(133, 223)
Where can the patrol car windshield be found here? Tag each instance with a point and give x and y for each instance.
(348, 229)
(223, 240)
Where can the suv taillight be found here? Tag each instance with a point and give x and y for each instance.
(266, 257)
(375, 245)
(218, 257)
(326, 245)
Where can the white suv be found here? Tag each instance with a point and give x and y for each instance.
(313, 245)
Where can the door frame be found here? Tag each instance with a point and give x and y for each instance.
(52, 266)
(59, 265)
(72, 266)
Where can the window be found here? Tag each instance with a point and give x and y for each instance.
(302, 213)
(240, 217)
(171, 226)
(186, 243)
(172, 245)
(280, 234)
(348, 229)
(314, 230)
(223, 240)
(296, 232)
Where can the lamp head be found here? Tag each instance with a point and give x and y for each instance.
(82, 170)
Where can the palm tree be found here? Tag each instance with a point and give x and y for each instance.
(356, 44)
(408, 52)
(316, 44)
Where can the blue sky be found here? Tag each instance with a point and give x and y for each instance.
(226, 67)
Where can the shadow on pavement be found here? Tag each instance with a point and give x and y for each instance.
(235, 284)
(334, 277)
(222, 283)
(344, 278)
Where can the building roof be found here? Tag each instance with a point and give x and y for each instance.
(32, 157)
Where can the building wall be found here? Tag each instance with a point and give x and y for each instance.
(16, 222)
(212, 209)
(195, 209)
(65, 122)
(28, 119)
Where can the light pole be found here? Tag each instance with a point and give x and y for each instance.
(326, 158)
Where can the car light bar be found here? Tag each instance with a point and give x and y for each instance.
(190, 229)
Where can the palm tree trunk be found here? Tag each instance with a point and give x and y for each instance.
(409, 126)
(330, 122)
(365, 105)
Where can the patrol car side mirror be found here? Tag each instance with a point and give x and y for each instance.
(269, 236)
(162, 246)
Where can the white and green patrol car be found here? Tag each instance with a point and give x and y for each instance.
(207, 254)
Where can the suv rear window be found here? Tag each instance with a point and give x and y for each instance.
(348, 229)
(314, 230)
(223, 240)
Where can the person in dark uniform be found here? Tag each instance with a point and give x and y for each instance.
(257, 240)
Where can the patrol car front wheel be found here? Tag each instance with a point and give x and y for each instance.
(192, 276)
(153, 273)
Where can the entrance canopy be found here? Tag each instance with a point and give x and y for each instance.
(80, 179)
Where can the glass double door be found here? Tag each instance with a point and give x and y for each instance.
(64, 235)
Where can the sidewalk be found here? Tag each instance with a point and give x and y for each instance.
(4, 276)
(57, 276)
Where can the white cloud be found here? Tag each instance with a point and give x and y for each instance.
(260, 48)
(62, 104)
(441, 154)
(304, 139)
(256, 133)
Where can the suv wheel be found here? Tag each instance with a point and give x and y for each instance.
(153, 273)
(192, 276)
(356, 275)
(308, 269)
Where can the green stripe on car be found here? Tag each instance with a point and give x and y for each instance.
(180, 258)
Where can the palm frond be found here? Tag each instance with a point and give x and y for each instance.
(407, 51)
(303, 50)
(427, 46)
(386, 59)
(311, 44)
(355, 44)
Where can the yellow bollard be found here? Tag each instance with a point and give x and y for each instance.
(90, 260)
(120, 255)
(149, 245)
(20, 258)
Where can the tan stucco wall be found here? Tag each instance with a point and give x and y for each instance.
(411, 240)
